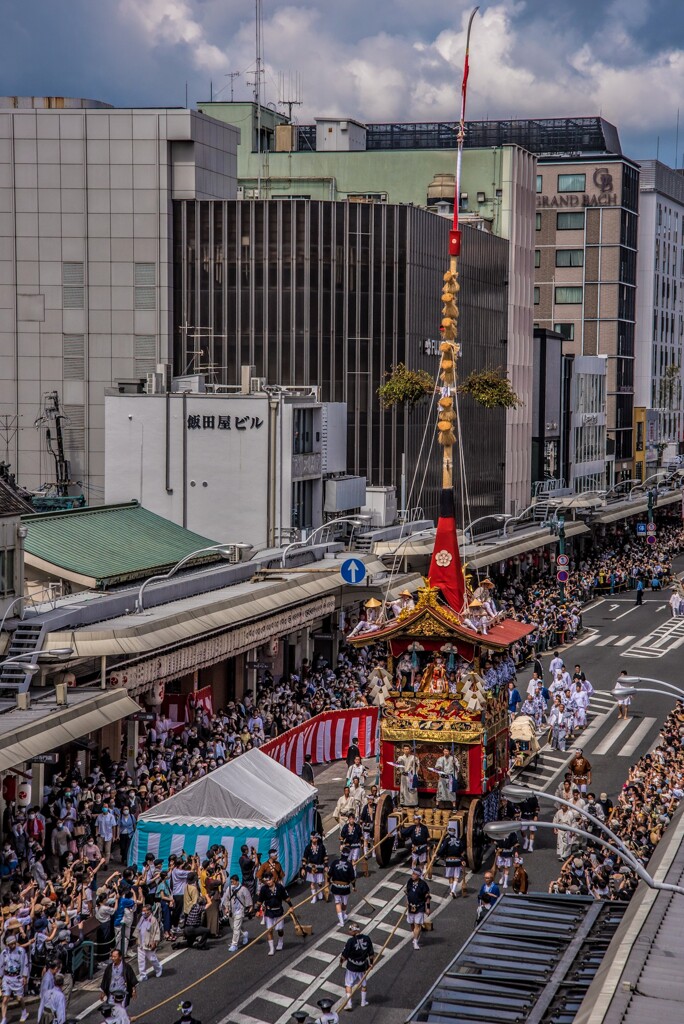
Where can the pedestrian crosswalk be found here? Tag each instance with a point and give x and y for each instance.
(664, 638)
(623, 739)
(315, 972)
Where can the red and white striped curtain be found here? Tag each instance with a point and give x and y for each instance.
(326, 737)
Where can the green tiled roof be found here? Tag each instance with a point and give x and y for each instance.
(110, 543)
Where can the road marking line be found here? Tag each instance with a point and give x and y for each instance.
(302, 976)
(274, 997)
(320, 954)
(587, 640)
(614, 734)
(628, 612)
(393, 885)
(637, 736)
(243, 1018)
(624, 640)
(661, 608)
(386, 926)
(333, 989)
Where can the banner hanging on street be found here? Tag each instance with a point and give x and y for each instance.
(326, 737)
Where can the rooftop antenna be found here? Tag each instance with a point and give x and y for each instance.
(258, 73)
(289, 91)
(677, 140)
(232, 75)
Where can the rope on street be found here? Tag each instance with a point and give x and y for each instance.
(428, 871)
(234, 956)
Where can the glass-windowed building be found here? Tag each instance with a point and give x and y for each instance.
(585, 287)
(333, 295)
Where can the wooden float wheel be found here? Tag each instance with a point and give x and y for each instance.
(382, 839)
(475, 835)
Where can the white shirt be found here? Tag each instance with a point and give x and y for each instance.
(55, 1001)
(556, 664)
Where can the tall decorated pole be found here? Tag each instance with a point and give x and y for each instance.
(446, 571)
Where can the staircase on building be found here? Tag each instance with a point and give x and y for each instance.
(24, 640)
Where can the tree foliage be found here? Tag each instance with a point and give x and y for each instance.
(404, 385)
(490, 388)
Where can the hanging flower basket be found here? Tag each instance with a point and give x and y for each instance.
(405, 386)
(490, 388)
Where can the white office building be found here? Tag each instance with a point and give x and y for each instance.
(86, 260)
(660, 313)
(261, 467)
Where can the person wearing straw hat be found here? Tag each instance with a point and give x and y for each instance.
(404, 603)
(417, 903)
(357, 958)
(328, 1016)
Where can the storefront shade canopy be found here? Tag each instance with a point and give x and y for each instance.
(252, 800)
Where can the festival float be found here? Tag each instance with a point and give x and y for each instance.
(448, 652)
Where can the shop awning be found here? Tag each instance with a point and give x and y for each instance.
(500, 552)
(193, 617)
(45, 726)
(637, 508)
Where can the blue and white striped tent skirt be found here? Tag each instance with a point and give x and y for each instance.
(168, 836)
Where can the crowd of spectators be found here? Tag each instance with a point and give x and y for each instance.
(530, 592)
(60, 886)
(644, 809)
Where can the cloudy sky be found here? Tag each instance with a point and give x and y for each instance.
(372, 59)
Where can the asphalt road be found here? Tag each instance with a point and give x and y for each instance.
(251, 988)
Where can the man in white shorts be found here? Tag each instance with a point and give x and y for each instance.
(417, 903)
(357, 958)
(14, 971)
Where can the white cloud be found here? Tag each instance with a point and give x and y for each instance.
(172, 23)
(525, 61)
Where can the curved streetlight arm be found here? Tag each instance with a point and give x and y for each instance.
(412, 536)
(167, 575)
(354, 520)
(9, 608)
(577, 810)
(468, 530)
(631, 691)
(622, 852)
(632, 680)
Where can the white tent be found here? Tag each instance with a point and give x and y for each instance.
(252, 800)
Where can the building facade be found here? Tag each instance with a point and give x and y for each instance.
(660, 318)
(241, 468)
(585, 259)
(588, 423)
(85, 260)
(334, 294)
(342, 159)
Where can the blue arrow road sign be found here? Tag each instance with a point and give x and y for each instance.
(353, 570)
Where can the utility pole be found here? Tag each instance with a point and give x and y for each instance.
(558, 529)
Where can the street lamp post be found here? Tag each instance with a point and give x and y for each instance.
(225, 550)
(516, 793)
(632, 681)
(631, 691)
(497, 829)
(354, 520)
(468, 531)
